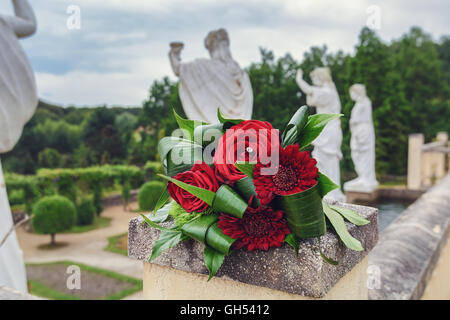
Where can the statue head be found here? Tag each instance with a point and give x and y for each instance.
(357, 91)
(321, 76)
(218, 44)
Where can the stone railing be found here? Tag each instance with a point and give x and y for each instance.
(413, 254)
(427, 163)
(179, 273)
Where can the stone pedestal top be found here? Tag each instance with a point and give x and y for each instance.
(279, 268)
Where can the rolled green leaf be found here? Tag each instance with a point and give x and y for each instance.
(295, 126)
(161, 214)
(207, 134)
(325, 184)
(178, 154)
(163, 198)
(292, 240)
(228, 201)
(197, 228)
(246, 189)
(339, 226)
(304, 213)
(314, 126)
(217, 240)
(206, 231)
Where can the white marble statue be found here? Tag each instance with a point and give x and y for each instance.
(18, 101)
(327, 147)
(362, 142)
(207, 84)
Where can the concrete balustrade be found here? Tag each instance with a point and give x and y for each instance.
(180, 273)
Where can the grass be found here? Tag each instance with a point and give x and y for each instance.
(99, 222)
(117, 244)
(41, 290)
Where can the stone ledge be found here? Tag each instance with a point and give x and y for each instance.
(279, 268)
(11, 294)
(410, 247)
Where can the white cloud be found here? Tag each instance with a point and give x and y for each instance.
(123, 44)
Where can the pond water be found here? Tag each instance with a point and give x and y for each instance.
(389, 210)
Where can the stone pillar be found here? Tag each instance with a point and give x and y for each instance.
(441, 169)
(180, 273)
(415, 143)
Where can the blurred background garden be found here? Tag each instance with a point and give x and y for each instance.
(95, 166)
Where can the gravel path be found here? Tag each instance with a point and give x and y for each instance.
(86, 247)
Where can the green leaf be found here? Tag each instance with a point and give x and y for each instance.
(229, 201)
(213, 261)
(163, 198)
(314, 127)
(304, 213)
(295, 126)
(155, 225)
(203, 194)
(325, 184)
(161, 214)
(188, 125)
(339, 226)
(246, 168)
(292, 240)
(350, 215)
(246, 189)
(227, 122)
(325, 258)
(166, 240)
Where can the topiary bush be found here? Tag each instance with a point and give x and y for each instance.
(53, 214)
(149, 194)
(85, 212)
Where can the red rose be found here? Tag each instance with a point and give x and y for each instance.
(202, 176)
(248, 141)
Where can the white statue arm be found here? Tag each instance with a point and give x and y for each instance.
(24, 21)
(175, 56)
(304, 86)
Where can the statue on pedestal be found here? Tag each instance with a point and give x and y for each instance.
(207, 84)
(18, 101)
(362, 142)
(327, 147)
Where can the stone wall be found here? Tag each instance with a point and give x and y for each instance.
(413, 253)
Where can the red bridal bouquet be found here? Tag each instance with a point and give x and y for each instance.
(241, 185)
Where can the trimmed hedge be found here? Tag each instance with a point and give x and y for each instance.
(52, 215)
(149, 194)
(71, 182)
(85, 212)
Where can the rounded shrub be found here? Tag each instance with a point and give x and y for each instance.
(53, 214)
(85, 212)
(149, 194)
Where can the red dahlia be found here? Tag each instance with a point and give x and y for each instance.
(296, 172)
(259, 229)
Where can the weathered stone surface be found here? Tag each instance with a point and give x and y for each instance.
(410, 247)
(278, 268)
(10, 294)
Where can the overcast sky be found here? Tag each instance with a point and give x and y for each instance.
(122, 45)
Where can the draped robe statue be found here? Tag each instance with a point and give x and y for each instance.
(362, 142)
(207, 84)
(327, 147)
(18, 101)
